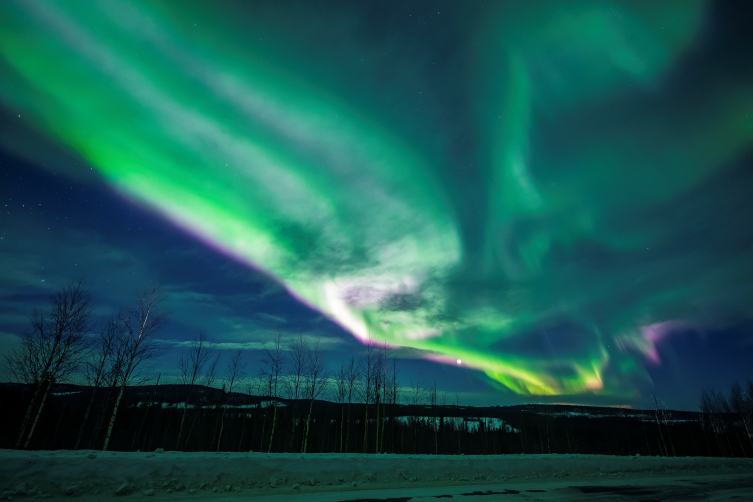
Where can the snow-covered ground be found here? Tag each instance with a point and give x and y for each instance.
(95, 475)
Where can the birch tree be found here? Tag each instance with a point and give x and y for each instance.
(417, 399)
(316, 381)
(52, 349)
(351, 377)
(101, 366)
(433, 402)
(367, 367)
(235, 372)
(272, 368)
(394, 398)
(191, 365)
(140, 322)
(741, 403)
(341, 394)
(294, 383)
(657, 406)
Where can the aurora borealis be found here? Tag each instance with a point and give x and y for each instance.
(544, 191)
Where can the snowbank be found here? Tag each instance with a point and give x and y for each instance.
(48, 474)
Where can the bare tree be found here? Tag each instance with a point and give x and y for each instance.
(741, 402)
(433, 402)
(294, 383)
(252, 387)
(367, 369)
(191, 366)
(53, 349)
(111, 380)
(149, 405)
(394, 398)
(442, 405)
(234, 373)
(207, 379)
(341, 394)
(417, 398)
(299, 354)
(708, 415)
(140, 322)
(380, 376)
(101, 365)
(715, 405)
(316, 382)
(272, 367)
(659, 408)
(351, 378)
(727, 410)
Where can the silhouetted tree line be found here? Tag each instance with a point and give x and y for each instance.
(280, 408)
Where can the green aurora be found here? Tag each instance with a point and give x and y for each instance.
(259, 133)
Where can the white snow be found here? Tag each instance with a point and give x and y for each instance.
(94, 475)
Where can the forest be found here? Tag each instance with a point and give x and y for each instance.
(293, 402)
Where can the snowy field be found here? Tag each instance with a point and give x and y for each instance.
(95, 475)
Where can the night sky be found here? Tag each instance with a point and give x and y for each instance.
(549, 198)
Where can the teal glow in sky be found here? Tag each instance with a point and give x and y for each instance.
(515, 186)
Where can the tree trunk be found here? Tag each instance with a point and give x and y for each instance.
(381, 445)
(376, 442)
(740, 441)
(671, 444)
(39, 413)
(394, 420)
(222, 428)
(458, 440)
(112, 418)
(86, 417)
(706, 440)
(263, 427)
(747, 431)
(347, 431)
(658, 426)
(436, 436)
(272, 433)
(295, 422)
(37, 389)
(180, 428)
(366, 430)
(415, 433)
(196, 413)
(402, 439)
(342, 423)
(308, 425)
(243, 433)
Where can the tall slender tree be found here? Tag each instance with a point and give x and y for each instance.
(417, 399)
(341, 393)
(52, 349)
(433, 403)
(191, 364)
(207, 379)
(367, 367)
(140, 321)
(101, 366)
(742, 404)
(316, 382)
(352, 377)
(272, 368)
(394, 399)
(235, 372)
(298, 353)
(657, 406)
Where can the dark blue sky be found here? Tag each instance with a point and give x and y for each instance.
(547, 198)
